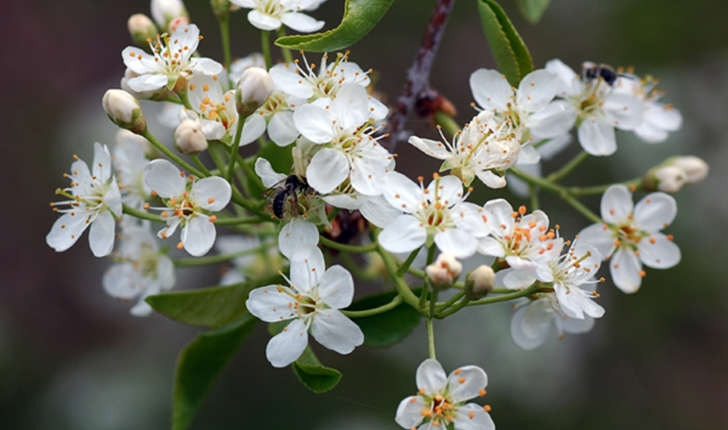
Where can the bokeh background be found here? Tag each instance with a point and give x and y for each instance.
(73, 358)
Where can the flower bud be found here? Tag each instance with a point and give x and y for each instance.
(694, 168)
(669, 179)
(177, 23)
(479, 282)
(164, 11)
(189, 139)
(444, 271)
(221, 8)
(141, 28)
(124, 110)
(253, 89)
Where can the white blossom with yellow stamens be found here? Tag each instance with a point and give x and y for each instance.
(271, 14)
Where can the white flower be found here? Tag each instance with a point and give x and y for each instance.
(438, 211)
(276, 114)
(213, 108)
(631, 235)
(572, 275)
(129, 158)
(297, 239)
(164, 11)
(519, 238)
(375, 209)
(140, 269)
(172, 58)
(307, 84)
(534, 321)
(658, 119)
(311, 301)
(600, 108)
(350, 151)
(188, 207)
(270, 14)
(485, 147)
(440, 401)
(531, 107)
(93, 200)
(238, 66)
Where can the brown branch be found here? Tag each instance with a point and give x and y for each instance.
(417, 84)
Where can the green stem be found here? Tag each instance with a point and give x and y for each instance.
(198, 163)
(579, 206)
(241, 220)
(568, 167)
(224, 23)
(374, 311)
(402, 288)
(535, 288)
(632, 184)
(141, 214)
(405, 266)
(174, 157)
(234, 148)
(447, 123)
(285, 51)
(430, 338)
(371, 247)
(533, 194)
(453, 308)
(451, 301)
(265, 47)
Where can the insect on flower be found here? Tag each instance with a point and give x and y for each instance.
(286, 194)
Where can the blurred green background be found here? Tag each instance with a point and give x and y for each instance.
(73, 358)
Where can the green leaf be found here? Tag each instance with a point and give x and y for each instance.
(315, 376)
(207, 307)
(360, 16)
(389, 327)
(510, 53)
(200, 363)
(533, 10)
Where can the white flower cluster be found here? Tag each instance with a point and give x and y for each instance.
(321, 127)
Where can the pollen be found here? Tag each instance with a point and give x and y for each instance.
(482, 392)
(180, 245)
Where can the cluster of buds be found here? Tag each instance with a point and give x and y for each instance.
(675, 172)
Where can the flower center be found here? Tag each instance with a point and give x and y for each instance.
(441, 410)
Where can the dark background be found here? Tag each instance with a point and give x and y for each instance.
(72, 358)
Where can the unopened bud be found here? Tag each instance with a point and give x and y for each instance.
(124, 110)
(164, 11)
(253, 89)
(141, 28)
(177, 23)
(669, 179)
(221, 8)
(479, 282)
(444, 271)
(189, 139)
(694, 168)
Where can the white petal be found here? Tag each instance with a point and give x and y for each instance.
(138, 61)
(301, 22)
(537, 89)
(263, 21)
(457, 242)
(253, 128)
(466, 382)
(350, 108)
(449, 189)
(328, 168)
(101, 167)
(368, 170)
(528, 155)
(576, 326)
(164, 178)
(433, 148)
(403, 234)
(490, 89)
(658, 252)
(101, 234)
(377, 211)
(148, 82)
(500, 216)
(268, 176)
(531, 324)
(287, 79)
(212, 193)
(206, 66)
(66, 231)
(430, 377)
(377, 109)
(409, 412)
(281, 128)
(623, 111)
(314, 123)
(165, 272)
(285, 347)
(122, 281)
(490, 246)
(472, 416)
(555, 119)
(572, 83)
(141, 309)
(198, 236)
(655, 212)
(272, 303)
(401, 192)
(625, 268)
(597, 138)
(307, 269)
(518, 279)
(335, 331)
(616, 205)
(297, 238)
(599, 237)
(490, 179)
(336, 287)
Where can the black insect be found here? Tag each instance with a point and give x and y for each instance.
(591, 71)
(285, 199)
